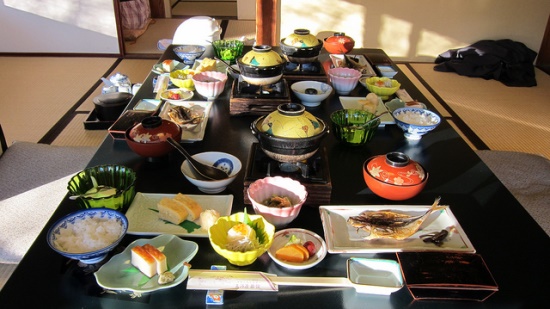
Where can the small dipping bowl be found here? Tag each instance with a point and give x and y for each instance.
(374, 276)
(221, 160)
(311, 93)
(354, 127)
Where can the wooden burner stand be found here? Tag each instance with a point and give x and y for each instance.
(248, 104)
(319, 188)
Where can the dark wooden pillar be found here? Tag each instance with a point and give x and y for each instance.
(266, 22)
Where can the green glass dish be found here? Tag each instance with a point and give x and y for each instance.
(117, 176)
(353, 126)
(228, 50)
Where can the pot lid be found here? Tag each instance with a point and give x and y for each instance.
(339, 37)
(301, 38)
(113, 99)
(262, 56)
(154, 129)
(291, 120)
(396, 168)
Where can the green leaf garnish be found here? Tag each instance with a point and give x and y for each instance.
(256, 226)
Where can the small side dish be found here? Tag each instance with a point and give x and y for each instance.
(119, 273)
(241, 238)
(297, 249)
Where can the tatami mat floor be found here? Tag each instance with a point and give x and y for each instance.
(504, 118)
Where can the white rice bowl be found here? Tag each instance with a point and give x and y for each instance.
(88, 235)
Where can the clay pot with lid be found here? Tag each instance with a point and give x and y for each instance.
(261, 66)
(301, 47)
(394, 176)
(339, 43)
(148, 138)
(289, 134)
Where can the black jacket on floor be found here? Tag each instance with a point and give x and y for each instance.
(507, 61)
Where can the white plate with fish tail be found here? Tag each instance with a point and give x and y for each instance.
(341, 237)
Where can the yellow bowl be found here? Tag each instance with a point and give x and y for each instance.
(381, 91)
(183, 79)
(218, 238)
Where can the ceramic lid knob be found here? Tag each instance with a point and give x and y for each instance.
(154, 129)
(396, 168)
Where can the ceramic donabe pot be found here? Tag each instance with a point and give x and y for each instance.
(261, 66)
(301, 47)
(289, 149)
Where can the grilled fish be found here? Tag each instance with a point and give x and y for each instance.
(390, 224)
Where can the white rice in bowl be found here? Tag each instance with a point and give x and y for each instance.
(88, 235)
(415, 118)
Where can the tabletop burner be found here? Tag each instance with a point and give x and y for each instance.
(247, 99)
(246, 90)
(313, 173)
(305, 71)
(303, 68)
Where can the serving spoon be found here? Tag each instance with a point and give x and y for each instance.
(204, 171)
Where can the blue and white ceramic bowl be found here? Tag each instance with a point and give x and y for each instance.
(221, 160)
(415, 122)
(188, 53)
(88, 235)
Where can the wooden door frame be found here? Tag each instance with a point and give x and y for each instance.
(267, 12)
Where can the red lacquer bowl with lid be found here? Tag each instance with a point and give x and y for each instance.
(339, 43)
(394, 176)
(148, 138)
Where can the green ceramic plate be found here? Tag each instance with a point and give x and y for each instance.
(120, 274)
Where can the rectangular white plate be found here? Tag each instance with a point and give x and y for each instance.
(142, 220)
(193, 134)
(353, 103)
(343, 238)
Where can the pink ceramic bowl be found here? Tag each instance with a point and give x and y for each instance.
(210, 84)
(344, 80)
(262, 189)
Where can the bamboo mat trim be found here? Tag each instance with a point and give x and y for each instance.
(504, 118)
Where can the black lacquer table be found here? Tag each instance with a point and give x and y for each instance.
(514, 247)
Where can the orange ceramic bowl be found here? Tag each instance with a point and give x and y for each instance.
(392, 191)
